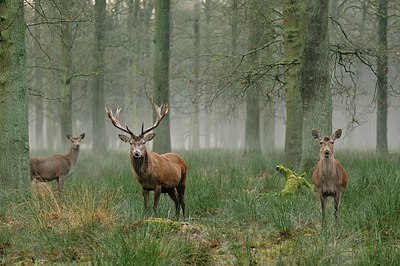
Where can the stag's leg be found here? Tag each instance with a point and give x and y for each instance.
(181, 197)
(157, 193)
(174, 196)
(145, 199)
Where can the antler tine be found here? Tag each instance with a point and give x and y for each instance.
(115, 120)
(161, 112)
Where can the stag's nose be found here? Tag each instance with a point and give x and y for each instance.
(137, 154)
(327, 153)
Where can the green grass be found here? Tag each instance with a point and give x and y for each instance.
(233, 216)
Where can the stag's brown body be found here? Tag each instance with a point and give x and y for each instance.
(329, 176)
(165, 173)
(57, 167)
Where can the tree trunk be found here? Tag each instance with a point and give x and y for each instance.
(162, 143)
(196, 72)
(38, 86)
(14, 145)
(268, 132)
(98, 124)
(315, 81)
(382, 77)
(208, 124)
(252, 125)
(66, 66)
(292, 46)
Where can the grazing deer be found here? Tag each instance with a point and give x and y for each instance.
(165, 173)
(329, 176)
(46, 169)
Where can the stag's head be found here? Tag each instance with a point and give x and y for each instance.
(137, 142)
(138, 148)
(326, 142)
(76, 141)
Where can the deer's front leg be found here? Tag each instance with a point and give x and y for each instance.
(145, 198)
(157, 193)
(323, 199)
(60, 182)
(336, 205)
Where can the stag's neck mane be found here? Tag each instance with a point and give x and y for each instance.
(73, 155)
(140, 165)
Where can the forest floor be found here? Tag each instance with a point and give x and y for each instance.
(234, 216)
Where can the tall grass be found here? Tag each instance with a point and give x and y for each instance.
(233, 216)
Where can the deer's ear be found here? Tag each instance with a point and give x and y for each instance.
(315, 134)
(82, 136)
(337, 134)
(69, 137)
(124, 138)
(149, 137)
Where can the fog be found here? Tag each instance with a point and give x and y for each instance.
(209, 72)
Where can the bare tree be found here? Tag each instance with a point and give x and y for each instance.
(161, 70)
(14, 145)
(292, 14)
(382, 79)
(315, 80)
(98, 124)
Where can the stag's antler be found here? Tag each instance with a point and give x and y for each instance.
(115, 120)
(161, 111)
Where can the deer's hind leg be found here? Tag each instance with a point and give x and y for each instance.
(173, 194)
(181, 196)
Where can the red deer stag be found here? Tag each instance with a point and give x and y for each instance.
(329, 176)
(46, 169)
(165, 173)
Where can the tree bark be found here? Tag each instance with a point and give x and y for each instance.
(196, 72)
(162, 143)
(315, 81)
(98, 101)
(14, 145)
(66, 66)
(382, 78)
(38, 83)
(252, 125)
(292, 45)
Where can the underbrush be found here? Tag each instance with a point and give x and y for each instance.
(233, 216)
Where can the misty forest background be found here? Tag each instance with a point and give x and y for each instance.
(250, 75)
(232, 66)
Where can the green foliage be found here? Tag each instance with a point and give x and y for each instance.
(234, 217)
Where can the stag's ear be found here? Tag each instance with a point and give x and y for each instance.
(69, 137)
(82, 136)
(315, 134)
(337, 134)
(124, 138)
(149, 137)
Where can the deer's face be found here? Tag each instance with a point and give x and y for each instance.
(326, 142)
(76, 141)
(138, 148)
(326, 146)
